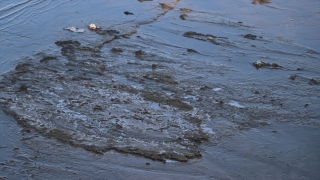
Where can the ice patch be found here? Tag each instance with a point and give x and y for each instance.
(235, 103)
(74, 29)
(170, 161)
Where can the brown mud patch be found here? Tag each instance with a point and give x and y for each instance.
(77, 101)
(261, 1)
(262, 64)
(161, 77)
(208, 37)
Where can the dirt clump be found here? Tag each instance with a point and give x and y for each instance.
(250, 36)
(261, 1)
(313, 82)
(161, 98)
(192, 51)
(183, 16)
(116, 50)
(138, 52)
(261, 64)
(161, 77)
(166, 6)
(208, 37)
(186, 10)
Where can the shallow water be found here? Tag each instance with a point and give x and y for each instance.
(157, 86)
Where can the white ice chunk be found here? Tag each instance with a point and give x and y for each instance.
(74, 29)
(235, 103)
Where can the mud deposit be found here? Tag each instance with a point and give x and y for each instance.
(170, 81)
(77, 100)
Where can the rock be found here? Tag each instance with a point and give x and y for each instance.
(128, 13)
(138, 53)
(116, 50)
(208, 37)
(293, 77)
(313, 82)
(275, 65)
(23, 88)
(186, 10)
(205, 88)
(261, 1)
(165, 6)
(192, 51)
(111, 31)
(250, 36)
(153, 66)
(48, 58)
(260, 64)
(182, 16)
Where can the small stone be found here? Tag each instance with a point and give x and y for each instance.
(204, 88)
(116, 50)
(313, 82)
(138, 53)
(293, 77)
(98, 108)
(275, 65)
(128, 13)
(261, 1)
(165, 6)
(186, 10)
(192, 51)
(183, 16)
(264, 123)
(153, 66)
(23, 88)
(260, 64)
(113, 32)
(147, 163)
(250, 36)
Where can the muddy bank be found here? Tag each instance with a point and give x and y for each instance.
(75, 97)
(30, 155)
(78, 101)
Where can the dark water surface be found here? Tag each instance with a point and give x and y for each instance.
(181, 90)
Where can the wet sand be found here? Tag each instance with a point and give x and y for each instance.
(174, 90)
